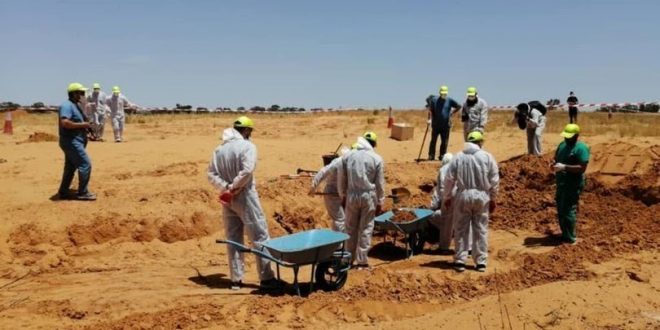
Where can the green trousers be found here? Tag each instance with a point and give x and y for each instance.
(567, 202)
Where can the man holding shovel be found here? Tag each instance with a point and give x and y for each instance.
(331, 193)
(440, 111)
(361, 183)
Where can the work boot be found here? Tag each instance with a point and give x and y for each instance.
(481, 268)
(86, 197)
(64, 196)
(459, 267)
(236, 285)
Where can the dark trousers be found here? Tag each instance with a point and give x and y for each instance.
(444, 140)
(75, 158)
(572, 115)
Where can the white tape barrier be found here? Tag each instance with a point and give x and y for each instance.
(581, 105)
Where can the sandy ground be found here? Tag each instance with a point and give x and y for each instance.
(143, 255)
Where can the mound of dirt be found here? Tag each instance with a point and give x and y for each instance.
(40, 137)
(183, 168)
(403, 216)
(614, 161)
(297, 219)
(112, 227)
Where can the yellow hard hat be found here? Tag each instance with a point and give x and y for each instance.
(570, 130)
(243, 121)
(370, 136)
(444, 90)
(475, 136)
(96, 86)
(116, 90)
(471, 91)
(76, 87)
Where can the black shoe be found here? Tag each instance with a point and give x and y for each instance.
(271, 284)
(459, 267)
(86, 197)
(481, 268)
(445, 252)
(431, 157)
(64, 197)
(236, 285)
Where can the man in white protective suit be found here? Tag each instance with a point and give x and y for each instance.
(330, 193)
(231, 171)
(117, 102)
(96, 101)
(361, 183)
(475, 175)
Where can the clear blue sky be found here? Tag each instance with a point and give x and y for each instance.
(331, 53)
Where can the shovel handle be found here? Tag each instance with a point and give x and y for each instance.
(338, 147)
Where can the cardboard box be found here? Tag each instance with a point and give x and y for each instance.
(402, 132)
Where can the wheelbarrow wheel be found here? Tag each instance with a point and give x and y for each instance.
(416, 242)
(329, 276)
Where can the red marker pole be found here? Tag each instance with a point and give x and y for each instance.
(9, 128)
(390, 120)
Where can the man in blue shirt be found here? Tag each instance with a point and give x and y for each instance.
(73, 127)
(440, 111)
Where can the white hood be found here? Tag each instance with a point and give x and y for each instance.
(363, 144)
(470, 148)
(230, 134)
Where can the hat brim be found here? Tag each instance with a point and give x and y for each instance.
(471, 94)
(568, 135)
(444, 93)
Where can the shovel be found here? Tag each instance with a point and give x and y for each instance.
(326, 194)
(300, 170)
(398, 194)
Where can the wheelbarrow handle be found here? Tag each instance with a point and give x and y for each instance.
(244, 248)
(395, 225)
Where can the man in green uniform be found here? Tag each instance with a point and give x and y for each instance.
(571, 160)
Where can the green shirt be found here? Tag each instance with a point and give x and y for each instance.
(577, 154)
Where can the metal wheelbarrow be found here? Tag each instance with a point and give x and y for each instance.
(413, 230)
(323, 249)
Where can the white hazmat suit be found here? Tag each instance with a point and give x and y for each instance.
(117, 103)
(96, 101)
(331, 198)
(231, 168)
(477, 117)
(442, 217)
(535, 127)
(361, 181)
(474, 173)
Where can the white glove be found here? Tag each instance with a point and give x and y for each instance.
(559, 167)
(428, 121)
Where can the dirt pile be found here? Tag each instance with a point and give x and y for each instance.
(644, 188)
(403, 216)
(30, 243)
(183, 168)
(526, 195)
(40, 137)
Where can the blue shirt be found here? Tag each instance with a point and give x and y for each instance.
(70, 111)
(441, 109)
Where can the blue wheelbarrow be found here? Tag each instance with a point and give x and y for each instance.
(323, 249)
(414, 230)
